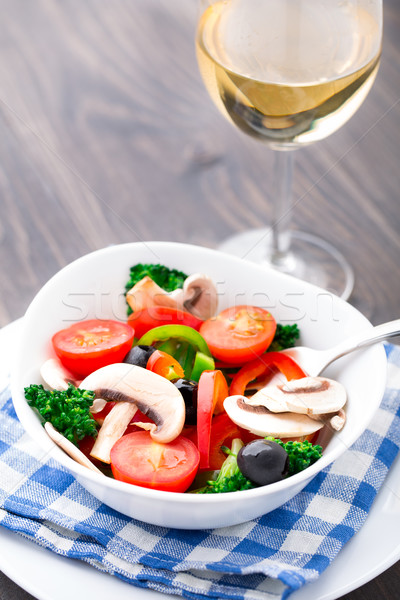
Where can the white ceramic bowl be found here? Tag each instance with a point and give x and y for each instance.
(93, 286)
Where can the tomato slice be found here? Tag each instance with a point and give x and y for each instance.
(211, 394)
(165, 365)
(262, 366)
(87, 346)
(136, 458)
(154, 316)
(239, 334)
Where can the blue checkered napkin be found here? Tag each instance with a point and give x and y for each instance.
(264, 559)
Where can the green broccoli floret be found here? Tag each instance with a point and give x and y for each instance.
(285, 337)
(168, 279)
(68, 411)
(230, 478)
(301, 454)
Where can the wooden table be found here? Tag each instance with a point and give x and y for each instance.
(108, 136)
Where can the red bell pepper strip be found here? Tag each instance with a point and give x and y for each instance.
(165, 365)
(223, 432)
(211, 394)
(260, 366)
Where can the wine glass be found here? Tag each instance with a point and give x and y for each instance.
(289, 73)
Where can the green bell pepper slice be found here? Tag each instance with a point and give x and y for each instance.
(182, 333)
(188, 360)
(202, 362)
(185, 344)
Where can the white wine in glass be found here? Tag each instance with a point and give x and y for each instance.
(290, 73)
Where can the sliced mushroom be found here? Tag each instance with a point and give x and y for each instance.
(261, 421)
(177, 295)
(200, 296)
(335, 420)
(147, 293)
(98, 405)
(154, 395)
(264, 398)
(309, 395)
(69, 448)
(56, 376)
(338, 421)
(112, 429)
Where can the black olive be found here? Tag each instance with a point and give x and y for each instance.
(139, 355)
(188, 389)
(263, 461)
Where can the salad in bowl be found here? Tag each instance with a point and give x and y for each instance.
(163, 384)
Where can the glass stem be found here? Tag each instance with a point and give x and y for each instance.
(280, 255)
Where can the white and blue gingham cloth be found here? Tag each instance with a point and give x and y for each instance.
(264, 559)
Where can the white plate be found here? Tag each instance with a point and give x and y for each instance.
(374, 549)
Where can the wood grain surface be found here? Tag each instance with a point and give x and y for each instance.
(107, 135)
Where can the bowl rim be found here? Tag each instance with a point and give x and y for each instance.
(167, 496)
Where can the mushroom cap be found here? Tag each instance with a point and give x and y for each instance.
(200, 296)
(308, 395)
(154, 395)
(260, 421)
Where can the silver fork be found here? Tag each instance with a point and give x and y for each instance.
(313, 362)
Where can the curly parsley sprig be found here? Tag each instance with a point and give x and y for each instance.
(301, 454)
(68, 411)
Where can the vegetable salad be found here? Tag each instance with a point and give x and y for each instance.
(183, 397)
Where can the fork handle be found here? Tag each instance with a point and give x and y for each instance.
(366, 338)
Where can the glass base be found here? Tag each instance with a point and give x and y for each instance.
(310, 258)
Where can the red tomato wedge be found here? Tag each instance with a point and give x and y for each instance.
(87, 346)
(211, 394)
(239, 334)
(138, 459)
(165, 365)
(154, 316)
